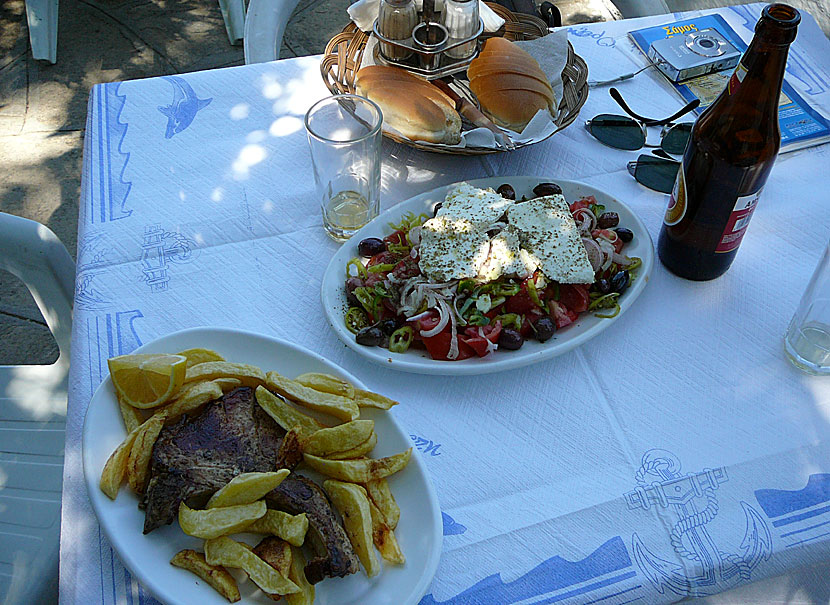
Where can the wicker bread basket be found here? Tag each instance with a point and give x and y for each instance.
(344, 53)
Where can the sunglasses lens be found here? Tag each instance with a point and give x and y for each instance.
(656, 173)
(617, 131)
(675, 139)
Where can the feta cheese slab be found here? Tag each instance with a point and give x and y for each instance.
(550, 235)
(482, 207)
(452, 248)
(506, 257)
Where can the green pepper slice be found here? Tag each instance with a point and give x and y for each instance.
(401, 339)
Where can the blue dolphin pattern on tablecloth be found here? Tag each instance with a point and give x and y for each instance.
(182, 110)
(552, 575)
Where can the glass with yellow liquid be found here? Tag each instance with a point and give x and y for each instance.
(807, 342)
(344, 135)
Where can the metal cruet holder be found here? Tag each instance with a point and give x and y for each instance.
(428, 46)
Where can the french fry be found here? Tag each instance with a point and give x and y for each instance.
(215, 522)
(192, 397)
(358, 451)
(248, 375)
(368, 399)
(286, 415)
(246, 488)
(138, 462)
(291, 528)
(215, 575)
(227, 384)
(359, 471)
(381, 495)
(277, 553)
(297, 575)
(133, 418)
(339, 438)
(116, 466)
(197, 356)
(340, 407)
(353, 504)
(327, 384)
(227, 552)
(384, 538)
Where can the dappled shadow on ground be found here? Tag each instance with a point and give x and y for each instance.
(43, 111)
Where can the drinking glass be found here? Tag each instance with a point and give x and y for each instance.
(344, 135)
(807, 342)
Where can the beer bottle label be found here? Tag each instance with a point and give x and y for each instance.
(737, 77)
(738, 222)
(677, 200)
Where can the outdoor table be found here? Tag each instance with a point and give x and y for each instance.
(676, 454)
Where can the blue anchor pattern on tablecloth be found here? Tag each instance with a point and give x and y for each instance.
(159, 249)
(94, 251)
(451, 526)
(799, 516)
(661, 484)
(182, 110)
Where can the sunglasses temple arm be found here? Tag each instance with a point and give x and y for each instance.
(615, 94)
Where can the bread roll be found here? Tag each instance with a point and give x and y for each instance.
(410, 105)
(510, 85)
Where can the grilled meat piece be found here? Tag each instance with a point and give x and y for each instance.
(198, 455)
(334, 556)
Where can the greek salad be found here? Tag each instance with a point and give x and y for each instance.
(487, 272)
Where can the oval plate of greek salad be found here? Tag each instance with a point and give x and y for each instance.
(487, 275)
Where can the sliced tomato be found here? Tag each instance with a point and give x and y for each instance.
(585, 202)
(406, 268)
(562, 316)
(382, 258)
(477, 337)
(574, 297)
(427, 322)
(438, 346)
(398, 237)
(611, 236)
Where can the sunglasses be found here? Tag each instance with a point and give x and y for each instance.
(629, 133)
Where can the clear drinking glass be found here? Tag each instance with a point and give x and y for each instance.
(807, 342)
(345, 138)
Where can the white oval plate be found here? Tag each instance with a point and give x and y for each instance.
(418, 360)
(419, 531)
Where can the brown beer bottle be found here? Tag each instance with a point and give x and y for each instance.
(729, 156)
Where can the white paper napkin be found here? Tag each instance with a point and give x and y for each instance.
(364, 13)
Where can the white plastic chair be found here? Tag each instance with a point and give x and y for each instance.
(42, 16)
(33, 421)
(264, 28)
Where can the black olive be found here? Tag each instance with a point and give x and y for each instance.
(624, 234)
(544, 328)
(437, 207)
(510, 339)
(608, 220)
(620, 281)
(371, 246)
(506, 191)
(543, 189)
(370, 337)
(603, 286)
(387, 326)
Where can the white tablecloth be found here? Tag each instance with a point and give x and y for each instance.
(677, 454)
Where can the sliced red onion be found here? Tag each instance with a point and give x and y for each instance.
(453, 352)
(419, 315)
(595, 254)
(608, 250)
(622, 261)
(439, 327)
(587, 220)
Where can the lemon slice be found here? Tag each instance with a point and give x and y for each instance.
(147, 380)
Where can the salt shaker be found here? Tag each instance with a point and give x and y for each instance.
(396, 20)
(460, 17)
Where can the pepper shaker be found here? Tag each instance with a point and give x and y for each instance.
(396, 20)
(461, 19)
